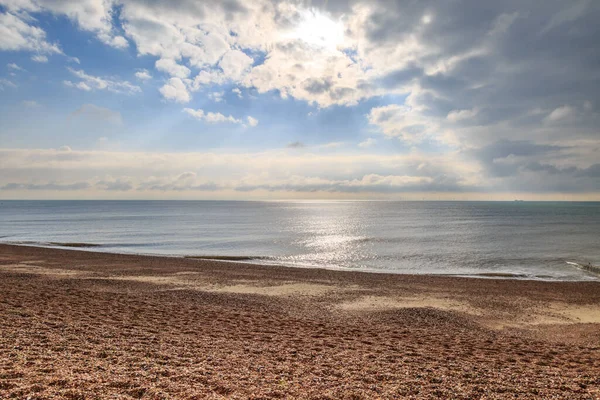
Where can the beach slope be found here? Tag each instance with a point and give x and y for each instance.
(79, 325)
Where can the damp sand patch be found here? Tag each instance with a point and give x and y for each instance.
(179, 281)
(288, 289)
(381, 303)
(562, 313)
(28, 268)
(555, 313)
(186, 280)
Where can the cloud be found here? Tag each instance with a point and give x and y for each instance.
(560, 114)
(30, 103)
(217, 97)
(339, 53)
(143, 75)
(79, 85)
(505, 167)
(46, 186)
(212, 117)
(235, 64)
(275, 171)
(121, 184)
(401, 121)
(175, 90)
(252, 121)
(89, 15)
(14, 66)
(4, 83)
(460, 115)
(425, 73)
(371, 183)
(215, 118)
(97, 114)
(296, 145)
(17, 35)
(369, 142)
(39, 58)
(90, 82)
(172, 68)
(331, 145)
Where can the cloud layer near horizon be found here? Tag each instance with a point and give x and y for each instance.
(291, 173)
(483, 97)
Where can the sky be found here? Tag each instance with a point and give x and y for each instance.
(270, 99)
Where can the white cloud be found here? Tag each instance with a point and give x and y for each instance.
(216, 117)
(235, 64)
(172, 68)
(401, 121)
(14, 67)
(90, 82)
(79, 85)
(90, 15)
(30, 103)
(217, 97)
(211, 117)
(4, 83)
(143, 75)
(175, 90)
(240, 175)
(118, 42)
(39, 58)
(16, 34)
(561, 113)
(331, 145)
(369, 142)
(460, 115)
(252, 121)
(237, 91)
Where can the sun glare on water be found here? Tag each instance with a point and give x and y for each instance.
(319, 30)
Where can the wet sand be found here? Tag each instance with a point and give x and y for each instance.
(84, 325)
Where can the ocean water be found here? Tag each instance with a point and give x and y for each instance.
(535, 240)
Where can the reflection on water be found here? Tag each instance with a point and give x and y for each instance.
(410, 237)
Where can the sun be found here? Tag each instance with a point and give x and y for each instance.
(317, 29)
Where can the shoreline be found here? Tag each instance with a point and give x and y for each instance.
(79, 324)
(593, 272)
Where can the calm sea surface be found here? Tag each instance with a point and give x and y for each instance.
(530, 239)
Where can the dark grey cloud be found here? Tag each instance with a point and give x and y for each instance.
(401, 76)
(492, 157)
(318, 85)
(504, 58)
(296, 145)
(505, 148)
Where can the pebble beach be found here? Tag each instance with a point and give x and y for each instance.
(85, 325)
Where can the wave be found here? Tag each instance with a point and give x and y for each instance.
(225, 258)
(595, 269)
(56, 244)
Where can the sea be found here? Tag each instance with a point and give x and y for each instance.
(520, 240)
